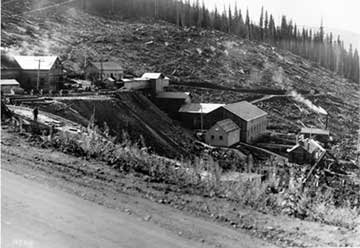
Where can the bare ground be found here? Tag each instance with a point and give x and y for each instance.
(196, 219)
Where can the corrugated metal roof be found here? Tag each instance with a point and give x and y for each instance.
(9, 82)
(245, 110)
(314, 131)
(174, 95)
(32, 62)
(107, 66)
(227, 125)
(198, 108)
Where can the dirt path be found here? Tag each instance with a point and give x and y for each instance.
(41, 216)
(41, 207)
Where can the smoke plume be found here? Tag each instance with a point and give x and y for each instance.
(299, 98)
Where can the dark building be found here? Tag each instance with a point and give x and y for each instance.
(48, 69)
(224, 133)
(307, 151)
(251, 120)
(194, 115)
(171, 102)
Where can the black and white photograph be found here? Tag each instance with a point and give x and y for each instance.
(180, 123)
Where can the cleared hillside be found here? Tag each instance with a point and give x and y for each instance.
(186, 55)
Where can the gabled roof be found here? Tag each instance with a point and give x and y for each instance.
(315, 131)
(107, 66)
(227, 125)
(198, 108)
(156, 75)
(32, 62)
(173, 95)
(245, 110)
(9, 82)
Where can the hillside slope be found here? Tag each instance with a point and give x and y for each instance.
(186, 55)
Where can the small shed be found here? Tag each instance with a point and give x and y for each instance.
(251, 119)
(224, 133)
(307, 151)
(321, 135)
(192, 114)
(10, 86)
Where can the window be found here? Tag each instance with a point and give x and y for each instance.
(212, 137)
(221, 137)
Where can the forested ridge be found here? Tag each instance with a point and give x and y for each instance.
(319, 46)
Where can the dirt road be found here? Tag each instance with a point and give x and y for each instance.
(41, 208)
(39, 216)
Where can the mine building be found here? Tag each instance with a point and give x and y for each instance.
(153, 82)
(40, 72)
(158, 82)
(321, 135)
(171, 102)
(96, 71)
(194, 115)
(306, 151)
(10, 87)
(251, 119)
(224, 133)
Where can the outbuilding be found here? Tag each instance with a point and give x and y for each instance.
(194, 115)
(251, 119)
(224, 133)
(10, 86)
(307, 151)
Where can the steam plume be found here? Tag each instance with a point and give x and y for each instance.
(299, 98)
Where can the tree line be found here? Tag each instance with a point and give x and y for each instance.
(316, 46)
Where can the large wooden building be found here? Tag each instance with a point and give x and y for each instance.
(251, 120)
(101, 70)
(42, 72)
(224, 133)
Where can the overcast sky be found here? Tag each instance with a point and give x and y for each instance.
(339, 14)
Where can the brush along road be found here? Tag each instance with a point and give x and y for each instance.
(40, 208)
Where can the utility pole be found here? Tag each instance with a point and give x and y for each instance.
(101, 70)
(38, 75)
(201, 114)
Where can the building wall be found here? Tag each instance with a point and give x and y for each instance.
(221, 138)
(215, 137)
(299, 156)
(250, 130)
(137, 84)
(92, 73)
(10, 74)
